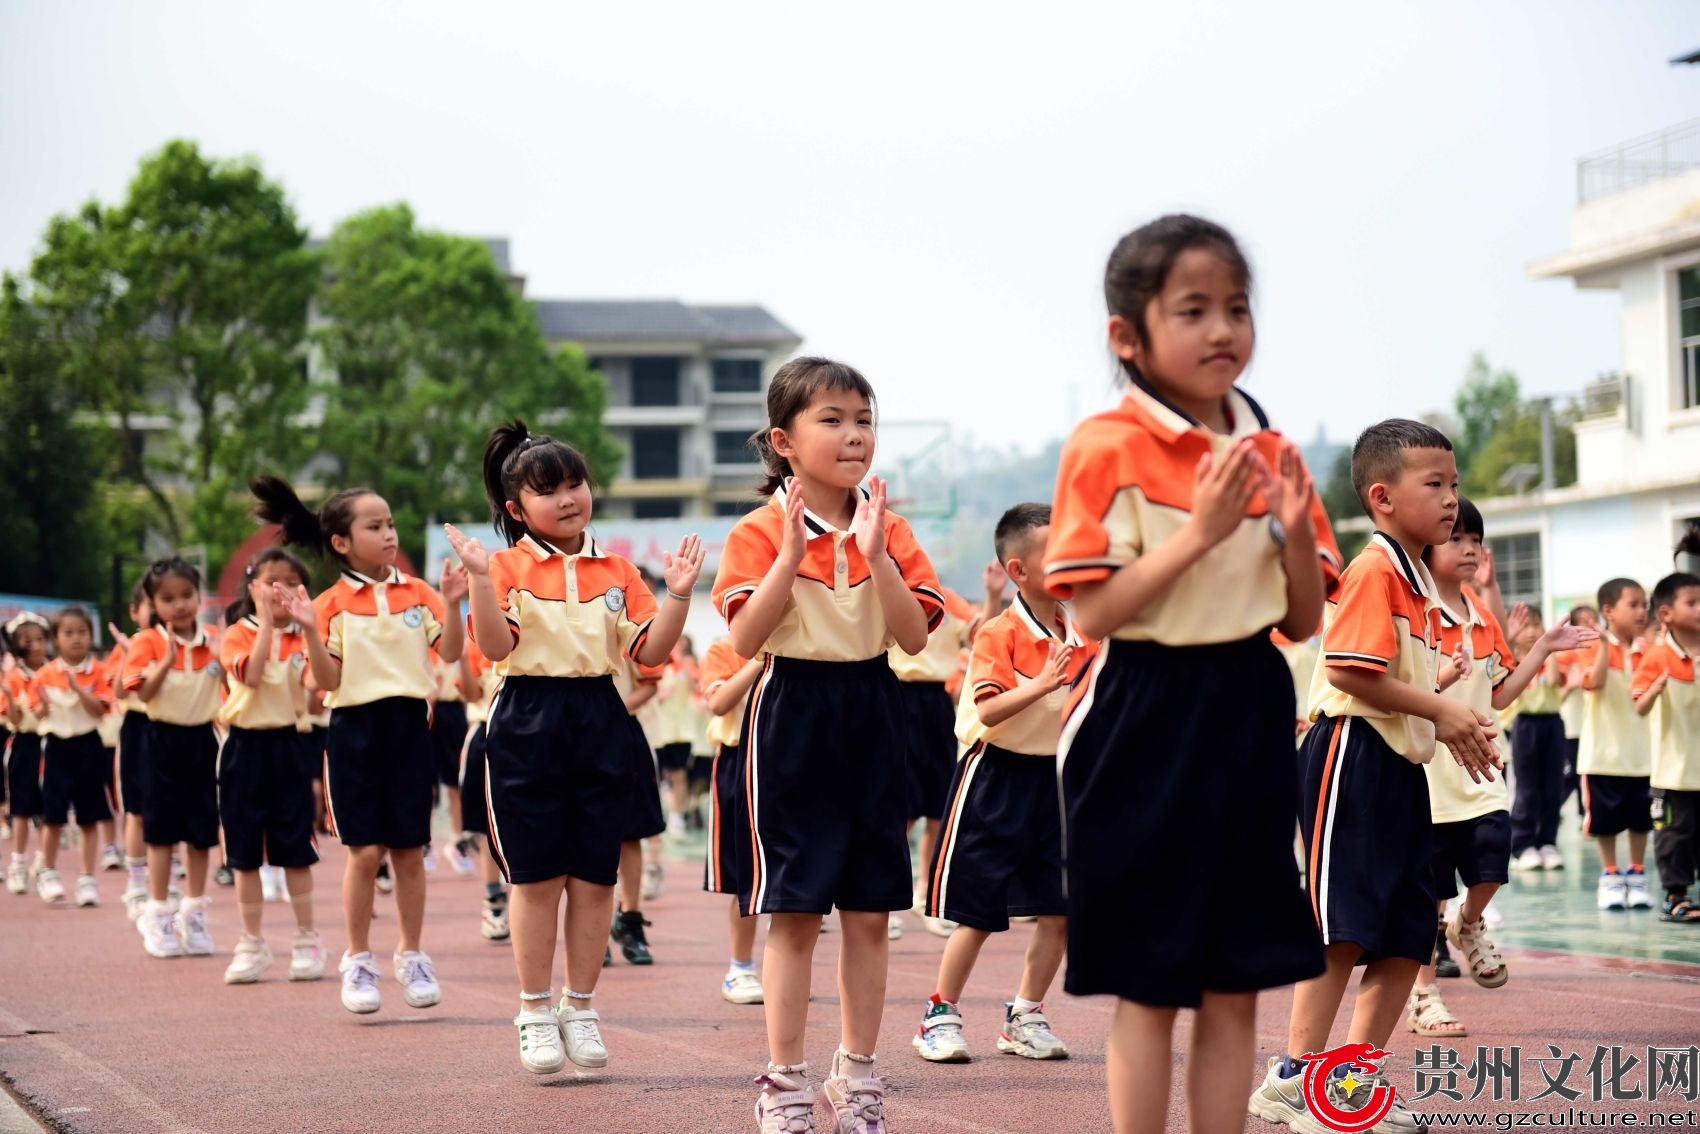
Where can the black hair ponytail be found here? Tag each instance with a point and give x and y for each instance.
(277, 503)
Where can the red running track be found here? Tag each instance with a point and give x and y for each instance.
(96, 1037)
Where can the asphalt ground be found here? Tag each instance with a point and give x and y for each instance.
(97, 1037)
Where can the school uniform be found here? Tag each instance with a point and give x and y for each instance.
(559, 742)
(111, 727)
(1537, 765)
(73, 759)
(473, 798)
(728, 823)
(448, 722)
(1615, 759)
(265, 793)
(929, 711)
(669, 717)
(1186, 717)
(23, 746)
(824, 745)
(1674, 725)
(180, 769)
(999, 853)
(1472, 821)
(643, 818)
(380, 783)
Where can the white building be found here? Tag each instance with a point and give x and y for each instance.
(1635, 230)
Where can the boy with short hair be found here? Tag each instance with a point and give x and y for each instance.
(1363, 793)
(1615, 759)
(1665, 692)
(1000, 851)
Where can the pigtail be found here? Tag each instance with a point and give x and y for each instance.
(775, 469)
(277, 503)
(504, 441)
(1689, 544)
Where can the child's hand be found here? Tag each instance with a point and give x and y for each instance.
(1461, 662)
(1487, 577)
(1567, 637)
(796, 539)
(1222, 489)
(995, 578)
(1055, 674)
(119, 638)
(170, 647)
(869, 525)
(454, 582)
(679, 571)
(299, 605)
(1288, 492)
(1573, 675)
(1469, 735)
(1517, 621)
(261, 596)
(472, 555)
(1658, 685)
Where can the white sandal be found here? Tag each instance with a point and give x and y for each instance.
(1427, 1015)
(1487, 967)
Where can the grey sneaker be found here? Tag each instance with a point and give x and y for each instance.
(1028, 1034)
(1399, 1120)
(785, 1105)
(1282, 1101)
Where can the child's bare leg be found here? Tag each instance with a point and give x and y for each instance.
(108, 833)
(960, 953)
(90, 848)
(1426, 974)
(159, 871)
(1044, 957)
(51, 834)
(1382, 993)
(1223, 1036)
(1476, 900)
(299, 879)
(1608, 853)
(1637, 848)
(250, 901)
(195, 871)
(21, 835)
(1136, 1065)
(742, 931)
(631, 875)
(532, 925)
(453, 794)
(862, 958)
(786, 966)
(358, 878)
(589, 909)
(1317, 1001)
(408, 865)
(929, 839)
(134, 846)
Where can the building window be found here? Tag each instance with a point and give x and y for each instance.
(732, 447)
(1688, 335)
(655, 382)
(655, 454)
(1517, 562)
(735, 507)
(737, 375)
(661, 508)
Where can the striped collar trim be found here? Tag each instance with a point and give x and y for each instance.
(542, 549)
(201, 637)
(1415, 574)
(356, 580)
(1068, 634)
(1248, 417)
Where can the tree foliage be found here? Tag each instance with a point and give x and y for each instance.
(1498, 429)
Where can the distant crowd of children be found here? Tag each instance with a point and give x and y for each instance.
(1049, 752)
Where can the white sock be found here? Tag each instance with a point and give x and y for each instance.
(1026, 1005)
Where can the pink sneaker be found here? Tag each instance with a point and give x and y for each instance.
(785, 1105)
(858, 1105)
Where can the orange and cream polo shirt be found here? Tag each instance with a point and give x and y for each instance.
(1674, 719)
(833, 612)
(572, 615)
(1616, 740)
(16, 689)
(380, 631)
(56, 704)
(1126, 484)
(192, 689)
(1452, 795)
(943, 654)
(280, 699)
(1010, 651)
(1384, 617)
(719, 665)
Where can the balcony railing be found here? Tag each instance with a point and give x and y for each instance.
(1604, 397)
(1639, 161)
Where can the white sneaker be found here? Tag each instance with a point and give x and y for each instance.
(88, 893)
(1635, 891)
(158, 927)
(858, 1105)
(1550, 858)
(938, 926)
(112, 858)
(582, 1036)
(786, 1105)
(48, 886)
(18, 875)
(192, 927)
(652, 882)
(893, 927)
(493, 922)
(1530, 859)
(1610, 895)
(251, 958)
(360, 983)
(540, 1049)
(456, 859)
(939, 1039)
(306, 956)
(413, 971)
(1029, 1035)
(135, 901)
(1282, 1102)
(741, 986)
(268, 883)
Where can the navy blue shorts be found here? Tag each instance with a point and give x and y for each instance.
(1477, 850)
(73, 778)
(448, 737)
(824, 788)
(930, 753)
(474, 802)
(180, 790)
(265, 802)
(1612, 805)
(23, 775)
(379, 780)
(728, 823)
(673, 757)
(559, 774)
(1184, 746)
(999, 854)
(132, 761)
(644, 817)
(1369, 850)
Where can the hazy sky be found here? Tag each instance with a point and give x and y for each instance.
(926, 190)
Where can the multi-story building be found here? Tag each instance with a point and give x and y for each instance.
(686, 387)
(1635, 230)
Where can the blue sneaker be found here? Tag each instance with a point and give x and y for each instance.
(939, 1038)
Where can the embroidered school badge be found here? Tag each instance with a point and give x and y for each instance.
(215, 669)
(616, 599)
(414, 617)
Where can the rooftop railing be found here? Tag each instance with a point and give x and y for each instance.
(1639, 161)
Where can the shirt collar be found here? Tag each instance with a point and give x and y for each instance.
(812, 523)
(1064, 631)
(1675, 646)
(1472, 613)
(356, 580)
(542, 549)
(291, 627)
(86, 666)
(200, 638)
(1171, 421)
(1413, 571)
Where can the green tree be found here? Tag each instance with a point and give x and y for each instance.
(1499, 429)
(425, 346)
(183, 311)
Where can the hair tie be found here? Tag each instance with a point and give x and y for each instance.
(25, 618)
